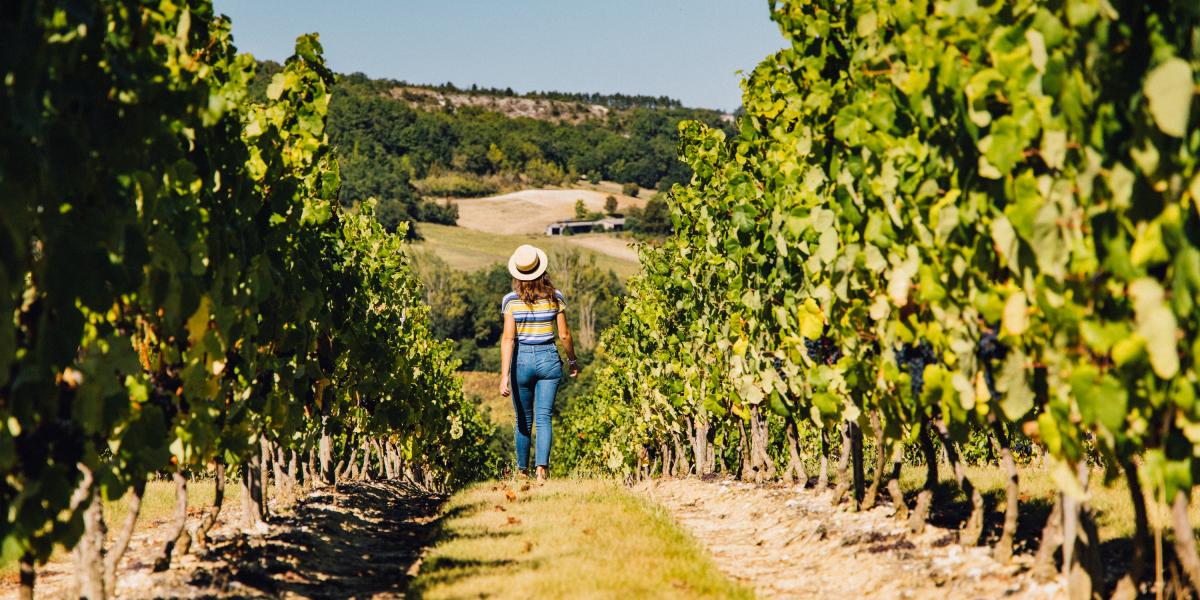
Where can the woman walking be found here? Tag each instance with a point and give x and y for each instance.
(529, 359)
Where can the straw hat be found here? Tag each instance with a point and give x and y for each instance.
(527, 263)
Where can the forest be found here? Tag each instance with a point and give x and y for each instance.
(466, 306)
(408, 157)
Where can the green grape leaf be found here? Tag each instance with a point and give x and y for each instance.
(1101, 398)
(1003, 146)
(966, 391)
(1169, 88)
(1016, 314)
(1148, 248)
(1005, 239)
(1101, 337)
(827, 248)
(1017, 397)
(1129, 350)
(197, 324)
(1054, 148)
(275, 88)
(1120, 181)
(1156, 324)
(812, 319)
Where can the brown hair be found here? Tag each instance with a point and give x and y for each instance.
(537, 289)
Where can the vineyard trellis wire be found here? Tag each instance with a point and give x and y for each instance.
(183, 293)
(938, 218)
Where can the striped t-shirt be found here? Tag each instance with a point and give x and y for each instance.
(535, 324)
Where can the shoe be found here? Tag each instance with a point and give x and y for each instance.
(541, 474)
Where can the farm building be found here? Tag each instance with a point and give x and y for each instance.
(579, 226)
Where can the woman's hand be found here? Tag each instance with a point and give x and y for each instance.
(504, 386)
(573, 368)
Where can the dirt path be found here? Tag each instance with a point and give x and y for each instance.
(790, 543)
(358, 541)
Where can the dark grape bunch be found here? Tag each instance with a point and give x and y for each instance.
(990, 350)
(914, 358)
(823, 351)
(1022, 446)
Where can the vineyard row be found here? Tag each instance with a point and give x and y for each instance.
(183, 294)
(939, 219)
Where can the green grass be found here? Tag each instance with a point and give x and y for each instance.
(569, 539)
(471, 250)
(158, 506)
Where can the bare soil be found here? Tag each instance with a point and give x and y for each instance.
(359, 540)
(790, 542)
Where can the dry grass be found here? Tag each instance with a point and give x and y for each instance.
(530, 211)
(158, 506)
(569, 539)
(470, 250)
(614, 188)
(483, 384)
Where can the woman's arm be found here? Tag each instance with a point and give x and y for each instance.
(564, 334)
(506, 348)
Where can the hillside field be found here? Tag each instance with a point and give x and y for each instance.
(530, 211)
(483, 384)
(470, 249)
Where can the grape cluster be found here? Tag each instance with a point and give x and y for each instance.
(822, 350)
(990, 349)
(914, 358)
(164, 394)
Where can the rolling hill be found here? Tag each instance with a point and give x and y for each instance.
(471, 249)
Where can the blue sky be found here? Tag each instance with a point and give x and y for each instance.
(686, 49)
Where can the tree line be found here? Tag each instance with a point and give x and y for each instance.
(405, 156)
(465, 307)
(616, 101)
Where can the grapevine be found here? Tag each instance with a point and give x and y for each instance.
(186, 296)
(988, 210)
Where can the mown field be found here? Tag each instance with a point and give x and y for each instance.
(531, 210)
(470, 249)
(567, 539)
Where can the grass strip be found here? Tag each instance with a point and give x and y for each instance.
(568, 539)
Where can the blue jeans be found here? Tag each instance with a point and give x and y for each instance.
(537, 372)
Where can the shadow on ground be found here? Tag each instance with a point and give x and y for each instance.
(444, 570)
(951, 511)
(360, 540)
